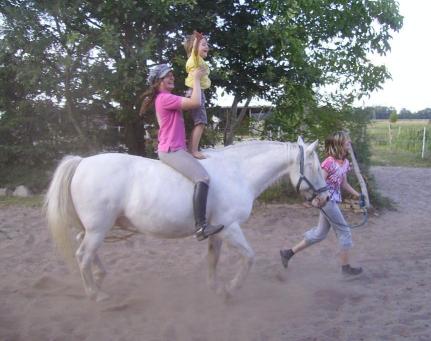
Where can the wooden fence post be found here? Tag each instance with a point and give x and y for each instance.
(390, 134)
(423, 142)
(359, 176)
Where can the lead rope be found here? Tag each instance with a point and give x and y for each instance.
(364, 211)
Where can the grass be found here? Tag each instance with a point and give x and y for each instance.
(400, 143)
(33, 201)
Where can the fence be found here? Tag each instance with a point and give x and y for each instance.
(409, 137)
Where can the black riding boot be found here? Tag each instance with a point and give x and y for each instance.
(203, 229)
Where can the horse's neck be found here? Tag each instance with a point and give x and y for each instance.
(264, 163)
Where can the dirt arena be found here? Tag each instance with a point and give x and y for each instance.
(158, 287)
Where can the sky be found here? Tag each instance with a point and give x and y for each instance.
(409, 63)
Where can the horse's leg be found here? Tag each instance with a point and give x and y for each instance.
(86, 255)
(214, 247)
(236, 239)
(100, 271)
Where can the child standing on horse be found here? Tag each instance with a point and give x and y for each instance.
(334, 169)
(196, 46)
(171, 137)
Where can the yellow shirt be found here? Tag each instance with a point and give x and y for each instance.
(194, 62)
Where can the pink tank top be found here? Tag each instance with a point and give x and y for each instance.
(172, 135)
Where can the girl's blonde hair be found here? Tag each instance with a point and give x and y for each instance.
(190, 39)
(334, 145)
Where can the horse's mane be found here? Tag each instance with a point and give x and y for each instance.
(244, 144)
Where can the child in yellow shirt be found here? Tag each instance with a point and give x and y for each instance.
(196, 46)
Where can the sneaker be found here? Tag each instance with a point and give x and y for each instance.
(285, 256)
(350, 272)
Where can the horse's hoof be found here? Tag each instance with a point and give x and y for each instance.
(226, 294)
(228, 297)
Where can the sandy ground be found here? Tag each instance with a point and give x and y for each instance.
(158, 287)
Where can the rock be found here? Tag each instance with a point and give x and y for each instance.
(21, 191)
(5, 192)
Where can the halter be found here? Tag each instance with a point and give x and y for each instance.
(302, 177)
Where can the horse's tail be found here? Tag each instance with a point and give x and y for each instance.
(59, 209)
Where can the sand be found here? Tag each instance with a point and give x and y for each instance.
(158, 287)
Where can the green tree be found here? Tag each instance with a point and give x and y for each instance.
(393, 117)
(94, 55)
(283, 51)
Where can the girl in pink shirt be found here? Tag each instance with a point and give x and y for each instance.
(172, 143)
(334, 169)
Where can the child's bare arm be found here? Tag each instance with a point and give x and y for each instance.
(198, 37)
(346, 186)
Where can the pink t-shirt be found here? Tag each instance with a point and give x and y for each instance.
(172, 134)
(336, 172)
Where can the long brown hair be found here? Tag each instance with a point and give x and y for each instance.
(334, 145)
(149, 96)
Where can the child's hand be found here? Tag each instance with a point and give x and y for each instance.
(198, 36)
(361, 200)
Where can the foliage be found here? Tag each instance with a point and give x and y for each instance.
(421, 114)
(393, 117)
(298, 46)
(86, 62)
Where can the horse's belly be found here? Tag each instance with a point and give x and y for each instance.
(163, 225)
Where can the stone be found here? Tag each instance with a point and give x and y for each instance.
(22, 191)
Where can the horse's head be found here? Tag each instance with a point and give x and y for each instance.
(307, 176)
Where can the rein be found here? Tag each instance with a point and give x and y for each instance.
(302, 177)
(364, 212)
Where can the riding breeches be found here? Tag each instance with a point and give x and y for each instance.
(186, 164)
(342, 231)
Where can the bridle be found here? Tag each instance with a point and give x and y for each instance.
(302, 177)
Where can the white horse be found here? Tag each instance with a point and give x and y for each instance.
(98, 192)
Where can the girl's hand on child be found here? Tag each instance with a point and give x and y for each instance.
(199, 72)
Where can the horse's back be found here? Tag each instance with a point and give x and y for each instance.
(123, 174)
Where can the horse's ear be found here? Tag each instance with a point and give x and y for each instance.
(300, 140)
(312, 147)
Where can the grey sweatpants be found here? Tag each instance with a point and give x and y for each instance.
(186, 164)
(318, 233)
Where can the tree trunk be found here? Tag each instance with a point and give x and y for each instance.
(134, 132)
(233, 121)
(71, 111)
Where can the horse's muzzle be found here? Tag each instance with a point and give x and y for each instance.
(320, 201)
